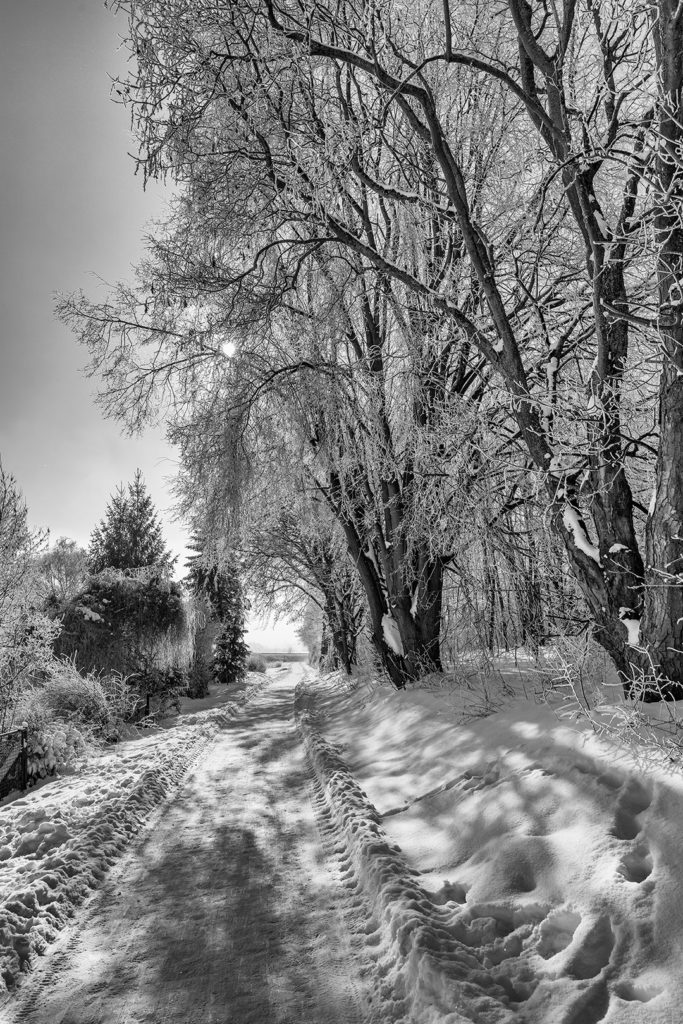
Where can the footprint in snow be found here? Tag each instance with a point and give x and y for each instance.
(633, 800)
(633, 991)
(557, 932)
(594, 952)
(636, 866)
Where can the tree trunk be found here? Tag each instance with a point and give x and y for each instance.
(339, 630)
(663, 619)
(391, 660)
(326, 656)
(417, 612)
(526, 581)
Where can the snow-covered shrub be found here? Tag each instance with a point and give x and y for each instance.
(54, 744)
(126, 621)
(99, 704)
(55, 748)
(68, 714)
(25, 654)
(578, 672)
(165, 686)
(579, 681)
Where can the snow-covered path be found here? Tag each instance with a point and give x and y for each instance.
(226, 910)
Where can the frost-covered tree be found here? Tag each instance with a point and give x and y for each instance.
(295, 557)
(310, 631)
(63, 569)
(26, 635)
(512, 177)
(130, 534)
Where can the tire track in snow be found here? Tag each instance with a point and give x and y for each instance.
(225, 911)
(352, 910)
(423, 960)
(439, 956)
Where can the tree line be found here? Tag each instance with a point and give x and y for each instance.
(419, 294)
(109, 623)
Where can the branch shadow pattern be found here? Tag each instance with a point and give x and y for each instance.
(209, 922)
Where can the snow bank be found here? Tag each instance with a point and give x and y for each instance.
(514, 866)
(57, 842)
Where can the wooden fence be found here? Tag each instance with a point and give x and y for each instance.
(13, 761)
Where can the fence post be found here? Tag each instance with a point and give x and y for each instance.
(24, 757)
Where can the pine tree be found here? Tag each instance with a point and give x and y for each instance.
(130, 535)
(221, 586)
(230, 650)
(230, 656)
(205, 578)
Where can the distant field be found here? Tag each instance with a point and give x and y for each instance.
(291, 656)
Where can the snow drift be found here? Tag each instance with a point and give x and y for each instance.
(514, 867)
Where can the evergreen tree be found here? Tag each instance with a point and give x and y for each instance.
(220, 584)
(230, 650)
(129, 536)
(206, 578)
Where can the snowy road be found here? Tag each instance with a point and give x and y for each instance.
(226, 910)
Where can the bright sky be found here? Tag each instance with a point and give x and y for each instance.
(71, 211)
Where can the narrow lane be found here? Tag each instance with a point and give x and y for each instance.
(226, 912)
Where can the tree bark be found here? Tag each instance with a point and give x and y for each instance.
(663, 619)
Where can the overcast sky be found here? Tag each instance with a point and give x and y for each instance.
(71, 211)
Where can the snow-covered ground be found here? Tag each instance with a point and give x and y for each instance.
(58, 841)
(226, 907)
(496, 864)
(514, 866)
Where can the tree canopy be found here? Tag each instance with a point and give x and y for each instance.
(435, 254)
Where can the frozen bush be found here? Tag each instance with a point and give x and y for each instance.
(256, 663)
(165, 686)
(68, 714)
(579, 681)
(98, 703)
(123, 622)
(53, 743)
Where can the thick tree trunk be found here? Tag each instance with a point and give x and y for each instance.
(326, 657)
(404, 618)
(405, 628)
(418, 616)
(340, 631)
(378, 611)
(663, 619)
